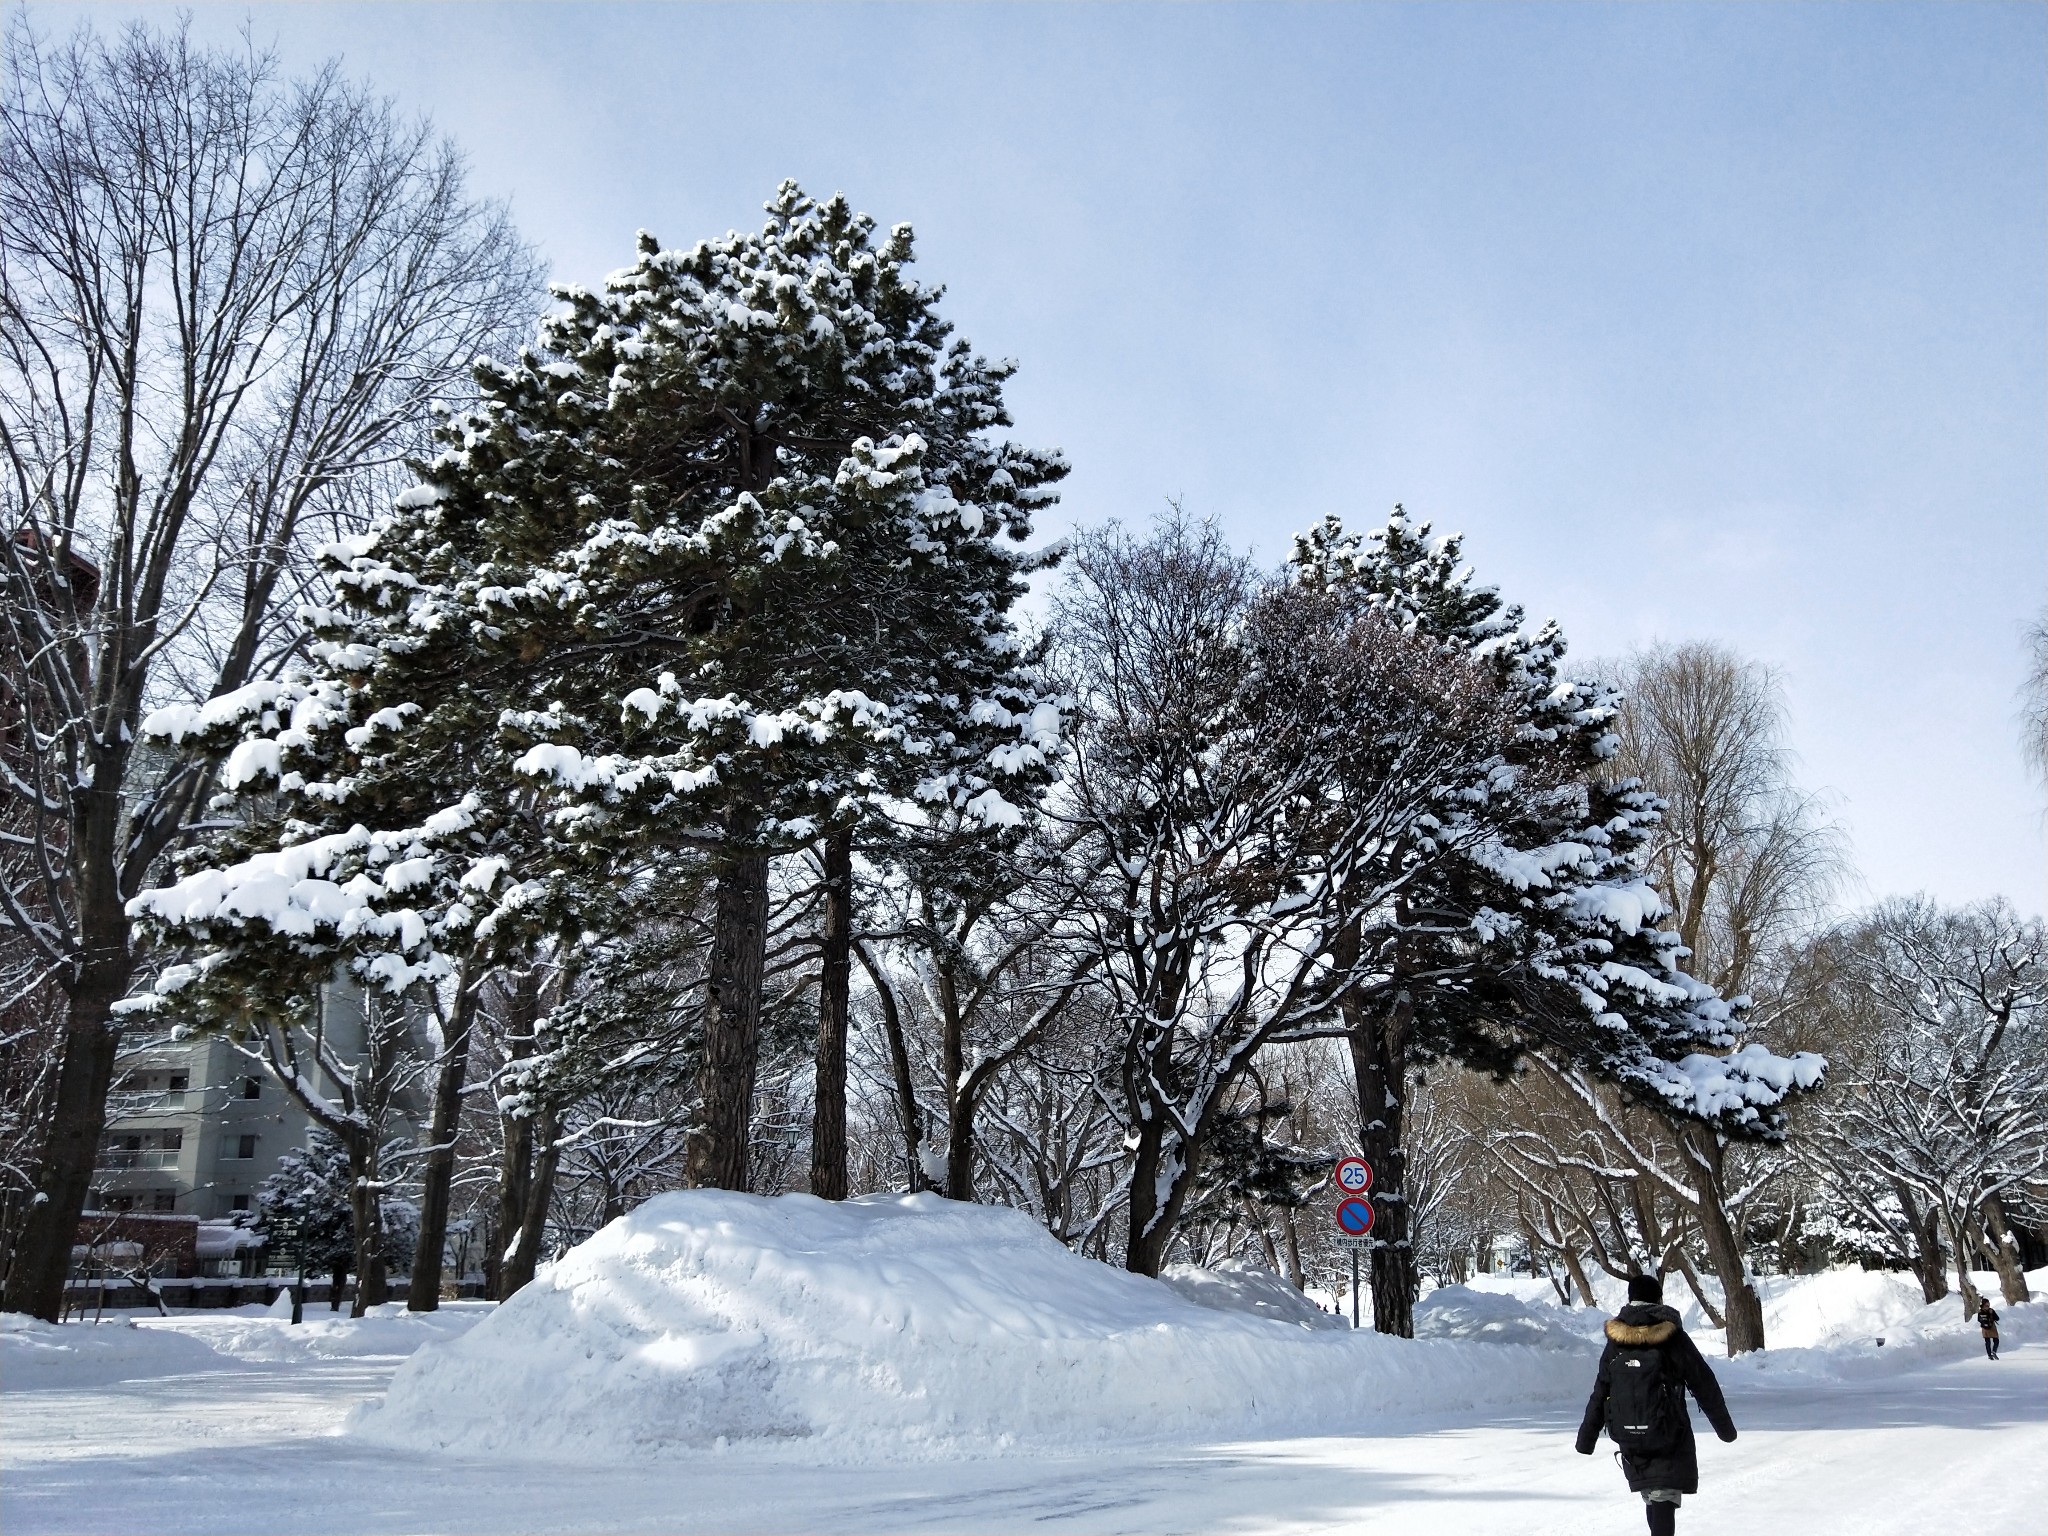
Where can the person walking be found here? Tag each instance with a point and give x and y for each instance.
(1650, 1363)
(1987, 1324)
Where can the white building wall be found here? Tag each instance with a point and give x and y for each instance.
(232, 1121)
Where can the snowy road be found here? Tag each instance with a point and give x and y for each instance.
(256, 1448)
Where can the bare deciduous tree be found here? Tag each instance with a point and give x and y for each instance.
(1945, 1100)
(1745, 858)
(227, 302)
(1746, 861)
(2034, 699)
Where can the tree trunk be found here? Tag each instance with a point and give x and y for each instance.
(718, 1150)
(1379, 1062)
(515, 1162)
(1148, 1230)
(909, 1116)
(522, 1257)
(953, 1068)
(1577, 1271)
(105, 965)
(1959, 1239)
(1713, 1314)
(492, 1262)
(2005, 1253)
(1293, 1235)
(828, 1119)
(78, 1121)
(515, 1176)
(1154, 1190)
(1928, 1264)
(366, 1214)
(1744, 1308)
(439, 1175)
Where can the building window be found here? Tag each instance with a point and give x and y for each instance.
(239, 1203)
(239, 1148)
(179, 1082)
(164, 1200)
(252, 1087)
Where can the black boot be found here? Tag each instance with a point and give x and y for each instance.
(1663, 1518)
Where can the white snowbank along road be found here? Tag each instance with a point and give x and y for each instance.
(721, 1363)
(894, 1323)
(904, 1325)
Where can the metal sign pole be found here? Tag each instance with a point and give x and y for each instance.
(1353, 1177)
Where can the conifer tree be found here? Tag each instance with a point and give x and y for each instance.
(717, 568)
(1539, 931)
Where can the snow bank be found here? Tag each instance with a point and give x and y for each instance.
(386, 1332)
(1237, 1286)
(899, 1325)
(1494, 1317)
(36, 1356)
(1816, 1327)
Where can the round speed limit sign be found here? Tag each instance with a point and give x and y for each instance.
(1354, 1175)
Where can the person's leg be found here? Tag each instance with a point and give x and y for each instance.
(1990, 1347)
(1660, 1509)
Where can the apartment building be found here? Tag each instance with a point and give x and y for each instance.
(195, 1125)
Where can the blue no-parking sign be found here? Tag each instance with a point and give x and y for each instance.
(1355, 1216)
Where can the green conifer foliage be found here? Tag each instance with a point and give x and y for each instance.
(720, 565)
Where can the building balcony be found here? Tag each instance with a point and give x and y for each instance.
(147, 1101)
(117, 1161)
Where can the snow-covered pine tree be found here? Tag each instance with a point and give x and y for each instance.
(754, 511)
(1523, 921)
(305, 1212)
(302, 1210)
(715, 566)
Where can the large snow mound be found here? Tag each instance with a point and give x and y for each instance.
(36, 1356)
(900, 1325)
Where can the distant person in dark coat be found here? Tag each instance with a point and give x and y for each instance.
(1639, 1399)
(1987, 1324)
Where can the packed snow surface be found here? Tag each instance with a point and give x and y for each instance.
(904, 1324)
(207, 1416)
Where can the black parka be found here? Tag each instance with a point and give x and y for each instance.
(1643, 1325)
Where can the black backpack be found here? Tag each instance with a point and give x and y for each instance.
(1643, 1401)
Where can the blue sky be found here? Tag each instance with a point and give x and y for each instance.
(1721, 322)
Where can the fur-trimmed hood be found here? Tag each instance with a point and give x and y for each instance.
(1642, 1326)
